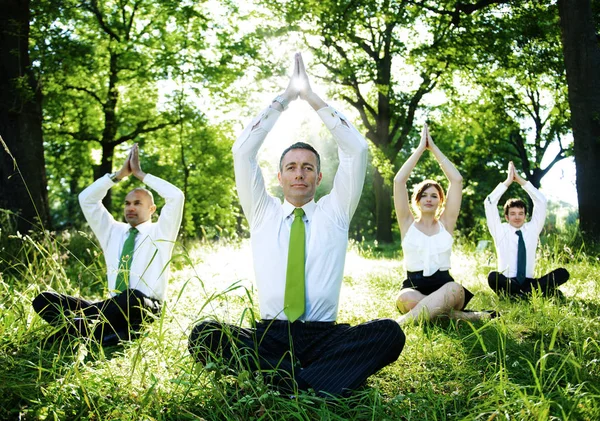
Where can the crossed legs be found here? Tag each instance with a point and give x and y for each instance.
(547, 284)
(330, 358)
(115, 316)
(448, 300)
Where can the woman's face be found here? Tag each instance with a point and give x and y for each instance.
(430, 200)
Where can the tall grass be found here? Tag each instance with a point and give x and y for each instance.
(538, 361)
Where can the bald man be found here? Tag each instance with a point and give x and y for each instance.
(137, 254)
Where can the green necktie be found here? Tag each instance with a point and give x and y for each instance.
(521, 258)
(125, 262)
(294, 280)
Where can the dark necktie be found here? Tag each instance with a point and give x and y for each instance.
(294, 281)
(125, 262)
(521, 258)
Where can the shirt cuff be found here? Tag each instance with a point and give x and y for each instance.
(330, 117)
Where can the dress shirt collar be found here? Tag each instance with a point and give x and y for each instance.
(143, 228)
(309, 209)
(513, 230)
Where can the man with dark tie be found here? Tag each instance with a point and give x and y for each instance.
(516, 242)
(137, 255)
(299, 250)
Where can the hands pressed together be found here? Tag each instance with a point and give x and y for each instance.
(299, 86)
(131, 165)
(512, 175)
(426, 139)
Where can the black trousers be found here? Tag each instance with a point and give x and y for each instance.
(331, 358)
(547, 284)
(114, 316)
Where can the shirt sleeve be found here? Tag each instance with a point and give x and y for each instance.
(540, 204)
(171, 213)
(350, 176)
(248, 175)
(492, 216)
(99, 219)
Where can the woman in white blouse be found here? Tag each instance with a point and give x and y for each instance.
(429, 290)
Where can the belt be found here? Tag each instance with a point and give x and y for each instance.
(277, 322)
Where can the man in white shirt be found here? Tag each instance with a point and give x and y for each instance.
(300, 346)
(516, 242)
(137, 255)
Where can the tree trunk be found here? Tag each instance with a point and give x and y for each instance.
(582, 61)
(383, 209)
(21, 123)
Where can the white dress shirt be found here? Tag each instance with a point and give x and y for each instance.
(326, 222)
(504, 234)
(149, 271)
(428, 253)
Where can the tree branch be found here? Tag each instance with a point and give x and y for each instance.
(92, 6)
(140, 129)
(87, 91)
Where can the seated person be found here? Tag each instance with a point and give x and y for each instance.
(429, 291)
(137, 255)
(516, 242)
(299, 249)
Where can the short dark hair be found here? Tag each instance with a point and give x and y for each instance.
(300, 145)
(514, 203)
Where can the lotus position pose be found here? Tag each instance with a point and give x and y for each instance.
(516, 242)
(429, 290)
(299, 249)
(137, 255)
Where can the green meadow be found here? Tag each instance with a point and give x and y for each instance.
(540, 360)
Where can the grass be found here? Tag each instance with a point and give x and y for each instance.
(538, 361)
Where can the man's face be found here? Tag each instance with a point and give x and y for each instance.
(516, 217)
(138, 207)
(299, 177)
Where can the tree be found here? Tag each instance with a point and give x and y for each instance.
(367, 48)
(107, 68)
(100, 63)
(581, 49)
(22, 189)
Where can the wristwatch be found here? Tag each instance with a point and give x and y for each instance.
(282, 101)
(113, 177)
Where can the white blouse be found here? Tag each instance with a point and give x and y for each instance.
(428, 253)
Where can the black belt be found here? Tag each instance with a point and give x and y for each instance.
(277, 322)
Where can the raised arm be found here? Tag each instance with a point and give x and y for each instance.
(352, 148)
(248, 175)
(490, 203)
(540, 203)
(454, 195)
(401, 199)
(90, 200)
(172, 212)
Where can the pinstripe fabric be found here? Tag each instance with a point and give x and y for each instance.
(330, 358)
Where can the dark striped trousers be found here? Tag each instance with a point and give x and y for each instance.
(331, 358)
